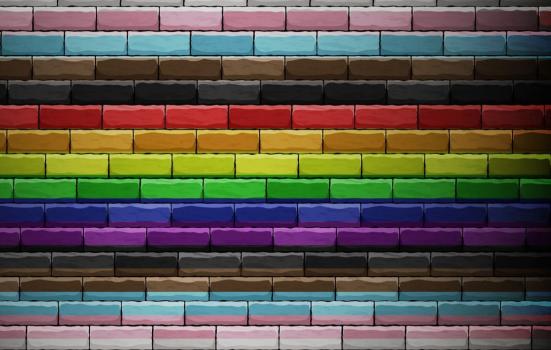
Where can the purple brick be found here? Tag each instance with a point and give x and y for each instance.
(58, 238)
(443, 18)
(307, 239)
(114, 239)
(9, 238)
(539, 238)
(493, 238)
(430, 238)
(178, 238)
(249, 239)
(367, 238)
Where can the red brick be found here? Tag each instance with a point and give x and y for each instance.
(319, 117)
(513, 117)
(70, 117)
(386, 117)
(129, 117)
(548, 116)
(449, 117)
(260, 117)
(196, 117)
(19, 117)
(545, 19)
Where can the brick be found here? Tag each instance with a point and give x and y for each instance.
(146, 264)
(19, 117)
(130, 117)
(32, 44)
(390, 165)
(297, 189)
(518, 215)
(436, 18)
(348, 43)
(285, 44)
(247, 117)
(90, 313)
(442, 68)
(423, 337)
(472, 313)
(417, 141)
(292, 92)
(479, 44)
(143, 165)
(445, 165)
(159, 239)
(151, 215)
(396, 117)
(51, 289)
(153, 313)
(63, 68)
(513, 117)
(254, 68)
(357, 337)
(537, 141)
(196, 117)
(451, 215)
(228, 92)
(384, 68)
(263, 165)
(33, 239)
(521, 264)
(45, 189)
(260, 215)
(22, 165)
(366, 288)
(423, 190)
(28, 313)
(15, 215)
(329, 166)
(489, 189)
(303, 288)
(298, 337)
(39, 92)
(274, 264)
(134, 68)
(186, 18)
(323, 117)
(93, 44)
(234, 189)
(82, 264)
(190, 68)
(174, 337)
(430, 288)
(335, 264)
(38, 141)
(411, 44)
(524, 312)
(130, 337)
(209, 264)
(25, 264)
(247, 337)
(544, 19)
(290, 141)
(344, 313)
(355, 92)
(13, 337)
(534, 189)
(307, 239)
(392, 215)
(6, 189)
(317, 18)
(108, 190)
(100, 141)
(528, 43)
(3, 140)
(227, 141)
(481, 337)
(213, 3)
(518, 165)
(203, 165)
(279, 313)
(537, 238)
(254, 18)
(173, 189)
(221, 44)
(64, 165)
(532, 92)
(418, 92)
(493, 289)
(398, 264)
(136, 18)
(158, 43)
(537, 288)
(462, 264)
(316, 68)
(506, 18)
(540, 337)
(76, 117)
(70, 215)
(376, 18)
(362, 190)
(10, 241)
(16, 18)
(506, 68)
(480, 141)
(48, 19)
(165, 92)
(15, 68)
(209, 313)
(417, 312)
(241, 288)
(449, 117)
(177, 288)
(115, 239)
(164, 141)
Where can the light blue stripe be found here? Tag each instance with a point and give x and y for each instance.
(9, 296)
(367, 296)
(485, 308)
(32, 44)
(158, 308)
(217, 44)
(480, 45)
(237, 296)
(430, 296)
(90, 308)
(162, 43)
(348, 44)
(411, 44)
(280, 308)
(216, 308)
(526, 308)
(342, 308)
(289, 43)
(304, 296)
(28, 308)
(114, 296)
(409, 308)
(178, 296)
(51, 296)
(96, 44)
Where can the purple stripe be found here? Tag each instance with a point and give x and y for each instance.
(430, 237)
(178, 237)
(368, 237)
(493, 237)
(117, 237)
(9, 238)
(299, 236)
(241, 237)
(47, 237)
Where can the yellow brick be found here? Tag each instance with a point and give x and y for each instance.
(101, 141)
(38, 141)
(227, 141)
(77, 165)
(417, 141)
(290, 141)
(164, 141)
(456, 165)
(204, 165)
(519, 165)
(140, 165)
(393, 165)
(330, 165)
(335, 141)
(266, 165)
(20, 165)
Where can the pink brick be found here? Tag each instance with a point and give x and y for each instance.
(16, 18)
(443, 18)
(368, 337)
(513, 18)
(435, 337)
(52, 18)
(380, 18)
(254, 18)
(545, 18)
(310, 18)
(13, 337)
(174, 337)
(481, 337)
(191, 18)
(133, 18)
(117, 337)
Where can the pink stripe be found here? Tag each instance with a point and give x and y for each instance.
(52, 19)
(343, 320)
(317, 19)
(250, 333)
(152, 320)
(90, 320)
(216, 320)
(124, 19)
(405, 320)
(184, 332)
(28, 320)
(373, 18)
(468, 320)
(279, 320)
(373, 332)
(58, 334)
(437, 333)
(120, 332)
(531, 318)
(259, 19)
(12, 333)
(499, 332)
(19, 19)
(199, 18)
(310, 332)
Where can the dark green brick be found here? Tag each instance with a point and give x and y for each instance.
(6, 189)
(153, 189)
(235, 189)
(58, 189)
(535, 189)
(106, 189)
(361, 189)
(288, 189)
(493, 189)
(414, 189)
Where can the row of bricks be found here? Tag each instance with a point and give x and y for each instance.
(275, 165)
(274, 92)
(276, 117)
(276, 68)
(466, 289)
(274, 18)
(275, 190)
(278, 239)
(266, 141)
(387, 264)
(195, 313)
(274, 338)
(198, 43)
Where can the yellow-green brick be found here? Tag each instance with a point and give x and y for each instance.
(519, 165)
(22, 165)
(77, 165)
(393, 165)
(204, 165)
(456, 165)
(330, 165)
(140, 165)
(264, 165)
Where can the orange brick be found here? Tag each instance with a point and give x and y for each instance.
(290, 141)
(480, 141)
(227, 141)
(353, 141)
(3, 141)
(417, 141)
(101, 141)
(532, 141)
(164, 141)
(38, 141)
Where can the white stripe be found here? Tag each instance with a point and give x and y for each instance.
(247, 344)
(120, 343)
(310, 343)
(383, 344)
(184, 344)
(58, 344)
(12, 344)
(444, 343)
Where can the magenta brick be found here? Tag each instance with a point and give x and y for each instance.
(61, 18)
(380, 18)
(507, 18)
(133, 18)
(310, 18)
(191, 18)
(16, 18)
(443, 18)
(254, 18)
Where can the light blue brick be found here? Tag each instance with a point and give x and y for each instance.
(32, 44)
(342, 312)
(286, 43)
(522, 44)
(91, 44)
(350, 43)
(216, 43)
(158, 44)
(469, 44)
(411, 44)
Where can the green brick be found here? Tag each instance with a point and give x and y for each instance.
(412, 189)
(393, 165)
(172, 188)
(235, 189)
(539, 189)
(298, 189)
(108, 189)
(519, 165)
(487, 189)
(45, 189)
(6, 189)
(361, 189)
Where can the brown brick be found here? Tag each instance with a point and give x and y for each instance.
(430, 284)
(17, 68)
(9, 284)
(241, 284)
(506, 68)
(532, 141)
(493, 284)
(193, 68)
(417, 141)
(398, 264)
(304, 284)
(443, 68)
(367, 284)
(480, 141)
(177, 284)
(290, 141)
(385, 68)
(340, 141)
(113, 284)
(164, 141)
(316, 68)
(253, 68)
(131, 68)
(51, 284)
(69, 68)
